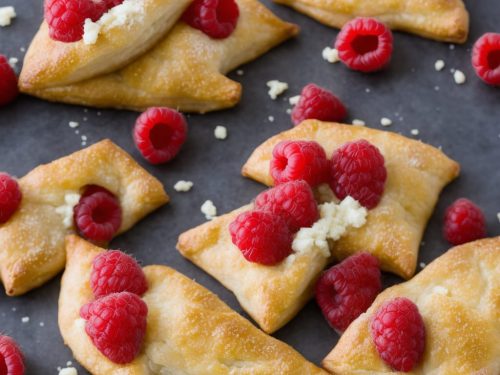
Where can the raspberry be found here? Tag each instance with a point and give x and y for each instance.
(358, 170)
(11, 357)
(66, 17)
(115, 272)
(346, 290)
(299, 160)
(10, 197)
(293, 201)
(486, 58)
(116, 324)
(463, 222)
(399, 334)
(215, 18)
(365, 44)
(319, 104)
(112, 3)
(8, 82)
(159, 134)
(262, 237)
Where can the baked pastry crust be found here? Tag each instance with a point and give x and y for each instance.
(442, 20)
(186, 70)
(189, 329)
(32, 240)
(458, 296)
(416, 175)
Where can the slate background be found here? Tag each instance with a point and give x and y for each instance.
(464, 120)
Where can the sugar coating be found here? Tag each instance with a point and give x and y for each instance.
(276, 88)
(183, 186)
(331, 55)
(6, 15)
(209, 210)
(220, 132)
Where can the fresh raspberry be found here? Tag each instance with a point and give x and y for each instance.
(486, 58)
(159, 134)
(66, 17)
(262, 237)
(116, 324)
(463, 222)
(299, 160)
(398, 332)
(293, 201)
(319, 104)
(346, 290)
(10, 197)
(115, 272)
(216, 18)
(365, 44)
(8, 82)
(112, 3)
(11, 357)
(92, 189)
(358, 170)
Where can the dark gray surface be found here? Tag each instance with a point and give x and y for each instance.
(464, 120)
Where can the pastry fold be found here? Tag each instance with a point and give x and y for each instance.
(442, 20)
(32, 241)
(458, 296)
(189, 329)
(416, 174)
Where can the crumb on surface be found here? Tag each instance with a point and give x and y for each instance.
(7, 14)
(439, 65)
(358, 122)
(220, 132)
(209, 210)
(459, 77)
(183, 186)
(415, 131)
(385, 121)
(276, 88)
(331, 55)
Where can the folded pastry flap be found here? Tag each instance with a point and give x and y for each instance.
(443, 20)
(189, 329)
(50, 63)
(458, 296)
(271, 295)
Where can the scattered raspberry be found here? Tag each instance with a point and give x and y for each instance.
(11, 361)
(159, 134)
(10, 197)
(262, 237)
(358, 170)
(346, 290)
(115, 272)
(299, 160)
(116, 324)
(293, 201)
(486, 58)
(399, 334)
(8, 82)
(318, 103)
(365, 44)
(463, 222)
(216, 18)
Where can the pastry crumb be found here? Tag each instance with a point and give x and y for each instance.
(7, 14)
(294, 100)
(439, 65)
(384, 121)
(331, 55)
(209, 210)
(220, 132)
(67, 371)
(358, 122)
(25, 319)
(415, 131)
(73, 124)
(459, 77)
(276, 88)
(270, 118)
(183, 186)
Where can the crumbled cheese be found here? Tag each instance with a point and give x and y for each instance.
(294, 100)
(498, 216)
(68, 371)
(69, 363)
(209, 210)
(440, 290)
(84, 138)
(25, 319)
(422, 265)
(331, 55)
(357, 122)
(415, 132)
(384, 121)
(91, 31)
(66, 210)
(333, 223)
(276, 88)
(439, 65)
(270, 118)
(73, 124)
(240, 72)
(220, 132)
(22, 49)
(183, 186)
(6, 15)
(459, 77)
(42, 324)
(289, 111)
(13, 62)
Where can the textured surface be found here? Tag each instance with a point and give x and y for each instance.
(464, 120)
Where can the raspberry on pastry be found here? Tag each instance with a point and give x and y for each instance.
(463, 222)
(10, 197)
(486, 58)
(11, 357)
(216, 18)
(8, 82)
(112, 3)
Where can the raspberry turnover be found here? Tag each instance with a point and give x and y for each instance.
(463, 222)
(10, 197)
(11, 357)
(215, 18)
(365, 44)
(8, 82)
(486, 58)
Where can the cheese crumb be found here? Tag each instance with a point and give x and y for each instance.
(422, 265)
(289, 111)
(220, 132)
(66, 210)
(459, 77)
(294, 100)
(68, 371)
(183, 186)
(69, 363)
(276, 88)
(25, 319)
(384, 121)
(357, 122)
(22, 49)
(73, 124)
(439, 65)
(240, 72)
(331, 55)
(91, 31)
(6, 15)
(498, 216)
(42, 324)
(13, 62)
(271, 118)
(415, 132)
(209, 210)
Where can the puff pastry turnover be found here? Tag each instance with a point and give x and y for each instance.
(189, 329)
(32, 241)
(443, 20)
(416, 174)
(184, 71)
(458, 296)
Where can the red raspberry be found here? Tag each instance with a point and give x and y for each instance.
(216, 18)
(115, 272)
(399, 334)
(365, 44)
(10, 197)
(299, 160)
(112, 3)
(11, 357)
(346, 290)
(293, 201)
(486, 58)
(116, 324)
(262, 237)
(463, 222)
(319, 104)
(358, 170)
(8, 82)
(159, 134)
(66, 17)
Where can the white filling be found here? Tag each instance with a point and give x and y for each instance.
(68, 371)
(276, 88)
(6, 15)
(209, 210)
(331, 55)
(183, 186)
(220, 132)
(66, 210)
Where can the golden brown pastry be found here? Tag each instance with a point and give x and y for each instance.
(458, 296)
(416, 174)
(443, 20)
(32, 250)
(189, 329)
